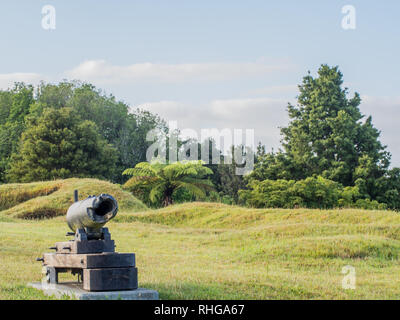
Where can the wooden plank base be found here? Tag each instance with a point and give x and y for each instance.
(85, 246)
(89, 261)
(108, 279)
(95, 262)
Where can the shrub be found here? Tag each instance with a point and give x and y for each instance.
(312, 192)
(370, 205)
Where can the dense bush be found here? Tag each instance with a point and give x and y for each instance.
(312, 192)
(58, 144)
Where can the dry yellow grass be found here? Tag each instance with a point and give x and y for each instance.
(49, 199)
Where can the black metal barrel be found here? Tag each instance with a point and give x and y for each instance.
(92, 214)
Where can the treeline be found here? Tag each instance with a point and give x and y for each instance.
(331, 157)
(331, 154)
(70, 129)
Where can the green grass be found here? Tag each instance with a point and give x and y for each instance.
(215, 251)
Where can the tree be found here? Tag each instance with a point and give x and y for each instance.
(123, 128)
(59, 144)
(133, 145)
(158, 183)
(328, 136)
(390, 189)
(14, 108)
(225, 178)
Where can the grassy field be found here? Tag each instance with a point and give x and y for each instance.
(215, 251)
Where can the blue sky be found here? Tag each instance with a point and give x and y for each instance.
(223, 64)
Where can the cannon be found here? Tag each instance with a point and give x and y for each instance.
(91, 214)
(91, 254)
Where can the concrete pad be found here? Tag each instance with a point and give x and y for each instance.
(75, 291)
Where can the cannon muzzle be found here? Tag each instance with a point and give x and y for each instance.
(92, 214)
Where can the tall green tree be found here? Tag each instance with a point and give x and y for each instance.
(328, 136)
(14, 108)
(225, 178)
(122, 127)
(59, 144)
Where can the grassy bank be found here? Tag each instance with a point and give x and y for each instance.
(49, 199)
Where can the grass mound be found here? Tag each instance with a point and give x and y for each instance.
(13, 194)
(293, 234)
(217, 215)
(40, 200)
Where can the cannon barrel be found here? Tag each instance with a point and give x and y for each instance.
(92, 214)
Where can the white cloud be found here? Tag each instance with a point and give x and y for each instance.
(264, 115)
(100, 71)
(7, 79)
(385, 112)
(286, 90)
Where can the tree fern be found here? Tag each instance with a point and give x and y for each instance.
(157, 183)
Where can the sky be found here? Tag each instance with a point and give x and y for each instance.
(210, 64)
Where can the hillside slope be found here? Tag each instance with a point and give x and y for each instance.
(233, 252)
(217, 215)
(49, 199)
(348, 233)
